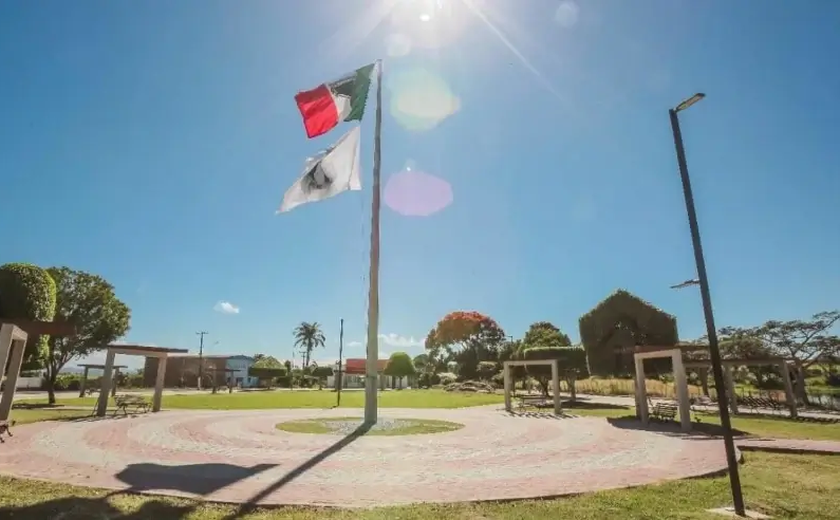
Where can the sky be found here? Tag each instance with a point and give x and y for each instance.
(151, 143)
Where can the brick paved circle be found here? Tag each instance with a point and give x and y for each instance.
(240, 456)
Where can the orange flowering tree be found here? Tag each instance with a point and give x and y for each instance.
(465, 337)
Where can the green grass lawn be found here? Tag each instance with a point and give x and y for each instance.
(314, 399)
(784, 486)
(761, 426)
(412, 426)
(31, 415)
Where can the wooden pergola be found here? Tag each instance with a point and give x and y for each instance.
(87, 367)
(161, 353)
(14, 333)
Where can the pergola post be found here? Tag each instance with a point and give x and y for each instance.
(83, 382)
(555, 386)
(12, 344)
(730, 388)
(105, 389)
(789, 396)
(114, 380)
(159, 379)
(681, 382)
(508, 381)
(641, 390)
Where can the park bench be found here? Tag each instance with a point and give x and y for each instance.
(126, 401)
(757, 403)
(664, 411)
(536, 401)
(5, 427)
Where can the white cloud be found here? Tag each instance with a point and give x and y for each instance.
(355, 344)
(226, 307)
(397, 341)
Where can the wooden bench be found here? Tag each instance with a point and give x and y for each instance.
(664, 411)
(126, 401)
(537, 401)
(5, 427)
(757, 403)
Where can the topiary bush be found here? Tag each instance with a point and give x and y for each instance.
(28, 291)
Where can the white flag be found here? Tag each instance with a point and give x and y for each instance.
(329, 173)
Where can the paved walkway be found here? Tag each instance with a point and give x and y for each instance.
(242, 457)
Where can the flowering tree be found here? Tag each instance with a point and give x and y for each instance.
(465, 337)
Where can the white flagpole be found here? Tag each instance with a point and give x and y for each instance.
(371, 366)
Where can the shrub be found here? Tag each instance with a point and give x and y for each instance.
(498, 380)
(447, 378)
(832, 379)
(27, 291)
(427, 380)
(487, 369)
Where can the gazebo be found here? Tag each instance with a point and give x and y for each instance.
(161, 353)
(14, 333)
(87, 367)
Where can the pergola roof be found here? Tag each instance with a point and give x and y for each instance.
(51, 328)
(140, 350)
(94, 365)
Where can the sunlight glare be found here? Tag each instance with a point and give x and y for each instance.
(567, 13)
(397, 45)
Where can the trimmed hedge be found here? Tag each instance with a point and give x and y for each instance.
(570, 358)
(28, 291)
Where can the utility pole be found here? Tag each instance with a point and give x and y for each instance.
(711, 330)
(201, 356)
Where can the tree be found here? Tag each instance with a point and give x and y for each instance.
(308, 336)
(86, 301)
(545, 334)
(571, 365)
(27, 291)
(400, 365)
(266, 370)
(806, 341)
(487, 369)
(321, 373)
(422, 363)
(465, 337)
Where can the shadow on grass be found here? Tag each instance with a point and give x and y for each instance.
(78, 508)
(36, 406)
(586, 405)
(252, 503)
(671, 428)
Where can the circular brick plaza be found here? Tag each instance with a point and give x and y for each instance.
(240, 456)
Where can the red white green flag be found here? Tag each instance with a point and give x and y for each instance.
(330, 103)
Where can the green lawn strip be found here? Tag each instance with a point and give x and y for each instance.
(414, 426)
(763, 426)
(784, 486)
(314, 399)
(25, 416)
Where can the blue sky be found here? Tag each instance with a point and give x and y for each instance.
(151, 142)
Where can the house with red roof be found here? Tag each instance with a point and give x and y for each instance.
(353, 375)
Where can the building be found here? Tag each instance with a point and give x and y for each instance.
(219, 370)
(353, 376)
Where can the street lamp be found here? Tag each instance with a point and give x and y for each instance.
(703, 281)
(685, 284)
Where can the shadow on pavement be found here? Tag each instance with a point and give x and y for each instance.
(198, 479)
(670, 428)
(252, 503)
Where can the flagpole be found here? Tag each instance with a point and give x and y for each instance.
(339, 379)
(371, 366)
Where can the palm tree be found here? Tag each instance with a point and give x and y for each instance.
(308, 337)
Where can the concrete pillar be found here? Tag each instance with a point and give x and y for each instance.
(555, 386)
(115, 379)
(508, 385)
(681, 382)
(789, 396)
(641, 391)
(105, 389)
(16, 347)
(83, 382)
(730, 388)
(6, 331)
(161, 375)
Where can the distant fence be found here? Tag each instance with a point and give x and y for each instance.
(30, 383)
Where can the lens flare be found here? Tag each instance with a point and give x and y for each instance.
(397, 45)
(412, 193)
(420, 100)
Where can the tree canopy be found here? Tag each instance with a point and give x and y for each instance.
(88, 302)
(400, 364)
(545, 334)
(27, 291)
(465, 337)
